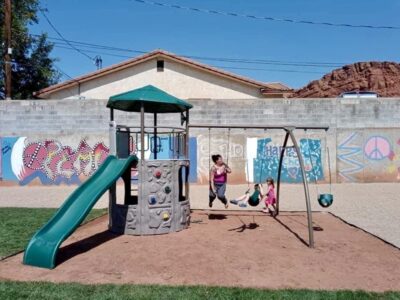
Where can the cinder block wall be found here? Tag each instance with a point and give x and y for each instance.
(363, 140)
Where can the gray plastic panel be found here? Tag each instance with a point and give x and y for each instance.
(159, 210)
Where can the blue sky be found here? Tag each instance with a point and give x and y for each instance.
(143, 27)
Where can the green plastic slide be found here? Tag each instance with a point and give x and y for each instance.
(42, 248)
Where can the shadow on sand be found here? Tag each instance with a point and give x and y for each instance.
(85, 245)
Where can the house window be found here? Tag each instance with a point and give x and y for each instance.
(160, 66)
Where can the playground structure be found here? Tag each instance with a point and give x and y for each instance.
(156, 199)
(325, 200)
(160, 204)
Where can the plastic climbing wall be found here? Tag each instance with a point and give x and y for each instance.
(162, 204)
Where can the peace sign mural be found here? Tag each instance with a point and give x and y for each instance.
(378, 148)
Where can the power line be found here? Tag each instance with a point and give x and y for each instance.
(62, 72)
(224, 59)
(63, 38)
(104, 47)
(269, 70)
(30, 64)
(216, 66)
(93, 51)
(264, 18)
(60, 45)
(220, 59)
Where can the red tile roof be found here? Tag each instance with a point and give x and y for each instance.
(264, 87)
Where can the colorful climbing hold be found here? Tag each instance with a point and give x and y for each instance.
(165, 216)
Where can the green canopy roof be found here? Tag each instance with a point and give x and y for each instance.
(154, 99)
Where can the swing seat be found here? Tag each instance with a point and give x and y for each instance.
(325, 200)
(253, 203)
(254, 199)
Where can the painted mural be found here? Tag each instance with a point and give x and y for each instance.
(49, 161)
(368, 156)
(361, 156)
(233, 150)
(266, 163)
(1, 163)
(254, 159)
(7, 145)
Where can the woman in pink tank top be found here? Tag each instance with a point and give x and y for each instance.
(218, 178)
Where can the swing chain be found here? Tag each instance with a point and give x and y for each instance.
(329, 163)
(310, 157)
(209, 156)
(228, 147)
(329, 166)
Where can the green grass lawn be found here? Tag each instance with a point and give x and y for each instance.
(41, 290)
(17, 226)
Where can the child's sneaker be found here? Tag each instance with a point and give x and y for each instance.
(234, 202)
(210, 203)
(242, 205)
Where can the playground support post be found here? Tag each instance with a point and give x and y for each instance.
(112, 191)
(155, 136)
(187, 187)
(142, 132)
(289, 133)
(278, 183)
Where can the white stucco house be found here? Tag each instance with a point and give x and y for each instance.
(179, 76)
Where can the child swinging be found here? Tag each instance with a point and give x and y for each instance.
(270, 199)
(253, 199)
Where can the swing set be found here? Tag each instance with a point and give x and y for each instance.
(324, 199)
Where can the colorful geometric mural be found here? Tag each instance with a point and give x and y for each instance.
(267, 161)
(49, 161)
(361, 156)
(254, 159)
(350, 157)
(368, 156)
(7, 145)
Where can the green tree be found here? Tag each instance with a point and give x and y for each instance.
(32, 67)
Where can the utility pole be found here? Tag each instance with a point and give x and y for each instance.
(8, 49)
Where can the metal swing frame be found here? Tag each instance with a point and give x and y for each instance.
(289, 134)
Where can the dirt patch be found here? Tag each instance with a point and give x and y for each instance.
(244, 249)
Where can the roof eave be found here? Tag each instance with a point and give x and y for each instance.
(151, 55)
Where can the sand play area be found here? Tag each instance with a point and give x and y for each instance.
(226, 248)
